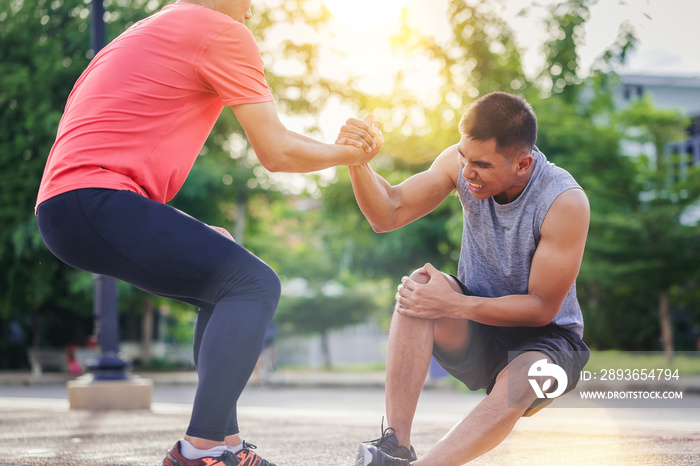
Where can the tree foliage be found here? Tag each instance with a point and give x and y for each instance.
(44, 46)
(639, 252)
(641, 256)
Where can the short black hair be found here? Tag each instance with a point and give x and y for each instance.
(507, 118)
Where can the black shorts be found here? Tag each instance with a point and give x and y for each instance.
(488, 352)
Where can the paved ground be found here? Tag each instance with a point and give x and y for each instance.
(321, 423)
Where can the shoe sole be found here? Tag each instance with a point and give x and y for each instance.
(364, 457)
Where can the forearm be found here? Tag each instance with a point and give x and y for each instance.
(527, 310)
(441, 297)
(374, 197)
(282, 150)
(296, 153)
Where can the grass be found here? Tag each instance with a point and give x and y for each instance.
(687, 363)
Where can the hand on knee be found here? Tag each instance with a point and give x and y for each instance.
(419, 276)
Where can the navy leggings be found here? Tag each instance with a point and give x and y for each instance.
(163, 251)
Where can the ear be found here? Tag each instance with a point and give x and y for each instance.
(524, 162)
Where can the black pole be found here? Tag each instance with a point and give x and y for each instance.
(97, 26)
(109, 366)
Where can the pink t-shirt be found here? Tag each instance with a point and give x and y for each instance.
(138, 116)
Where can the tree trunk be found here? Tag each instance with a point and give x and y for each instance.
(240, 219)
(665, 323)
(326, 351)
(147, 331)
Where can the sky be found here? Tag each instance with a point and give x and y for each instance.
(668, 36)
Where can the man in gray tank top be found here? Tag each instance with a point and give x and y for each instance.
(511, 311)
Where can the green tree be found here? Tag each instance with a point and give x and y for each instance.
(44, 45)
(668, 249)
(637, 246)
(580, 129)
(480, 56)
(327, 294)
(320, 313)
(565, 26)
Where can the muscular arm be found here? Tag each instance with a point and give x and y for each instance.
(280, 149)
(388, 207)
(555, 265)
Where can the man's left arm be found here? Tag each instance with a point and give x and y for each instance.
(555, 265)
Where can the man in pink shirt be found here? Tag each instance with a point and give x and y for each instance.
(133, 126)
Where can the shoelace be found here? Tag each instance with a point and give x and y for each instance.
(383, 439)
(385, 433)
(250, 447)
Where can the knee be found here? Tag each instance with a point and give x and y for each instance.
(259, 282)
(266, 287)
(423, 278)
(419, 277)
(516, 379)
(269, 283)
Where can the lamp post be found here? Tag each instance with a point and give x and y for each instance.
(109, 366)
(108, 386)
(97, 26)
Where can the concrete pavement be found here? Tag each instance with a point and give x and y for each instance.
(308, 419)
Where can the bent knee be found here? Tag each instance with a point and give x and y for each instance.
(269, 283)
(258, 282)
(517, 377)
(419, 277)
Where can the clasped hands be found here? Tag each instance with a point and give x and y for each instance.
(365, 134)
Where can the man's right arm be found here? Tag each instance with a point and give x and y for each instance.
(388, 207)
(282, 150)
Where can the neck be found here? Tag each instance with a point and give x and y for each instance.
(514, 192)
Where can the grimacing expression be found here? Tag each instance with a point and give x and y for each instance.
(488, 173)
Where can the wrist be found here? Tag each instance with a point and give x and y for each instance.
(461, 307)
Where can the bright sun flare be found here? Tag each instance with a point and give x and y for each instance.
(365, 13)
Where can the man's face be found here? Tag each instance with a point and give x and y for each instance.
(488, 173)
(236, 9)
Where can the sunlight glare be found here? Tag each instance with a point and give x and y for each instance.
(364, 14)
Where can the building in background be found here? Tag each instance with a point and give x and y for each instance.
(668, 92)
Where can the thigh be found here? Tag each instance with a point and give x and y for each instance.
(550, 358)
(562, 347)
(451, 336)
(142, 242)
(482, 357)
(515, 381)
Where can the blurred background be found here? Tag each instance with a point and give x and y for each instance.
(616, 88)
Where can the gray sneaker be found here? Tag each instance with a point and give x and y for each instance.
(369, 455)
(385, 451)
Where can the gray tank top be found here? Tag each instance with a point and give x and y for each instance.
(499, 240)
